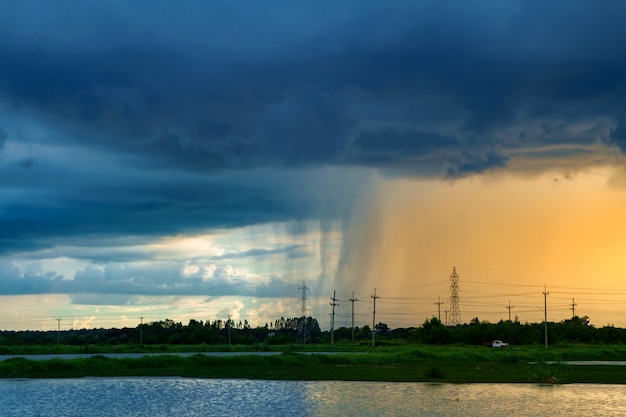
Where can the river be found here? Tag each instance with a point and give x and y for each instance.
(135, 397)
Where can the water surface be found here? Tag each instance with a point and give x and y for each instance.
(218, 397)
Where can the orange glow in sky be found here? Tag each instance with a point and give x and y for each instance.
(507, 236)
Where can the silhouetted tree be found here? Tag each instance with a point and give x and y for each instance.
(433, 332)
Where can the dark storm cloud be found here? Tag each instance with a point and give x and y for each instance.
(211, 85)
(618, 136)
(475, 163)
(163, 118)
(3, 138)
(160, 205)
(26, 163)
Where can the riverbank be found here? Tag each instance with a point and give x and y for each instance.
(453, 364)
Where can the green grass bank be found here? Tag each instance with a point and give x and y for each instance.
(453, 364)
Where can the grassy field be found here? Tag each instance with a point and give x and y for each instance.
(455, 364)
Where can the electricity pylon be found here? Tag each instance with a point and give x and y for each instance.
(304, 333)
(455, 312)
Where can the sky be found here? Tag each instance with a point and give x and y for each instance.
(201, 160)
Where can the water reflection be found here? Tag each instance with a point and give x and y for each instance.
(213, 397)
(150, 397)
(468, 400)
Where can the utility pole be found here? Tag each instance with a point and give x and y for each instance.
(509, 307)
(352, 300)
(141, 331)
(59, 330)
(333, 303)
(438, 303)
(446, 311)
(229, 329)
(573, 311)
(545, 312)
(374, 297)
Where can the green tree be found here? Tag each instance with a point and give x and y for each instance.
(364, 333)
(381, 328)
(577, 330)
(434, 332)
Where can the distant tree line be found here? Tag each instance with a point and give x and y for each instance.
(476, 332)
(283, 330)
(289, 330)
(574, 330)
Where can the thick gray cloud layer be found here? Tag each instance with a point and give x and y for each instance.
(206, 86)
(160, 118)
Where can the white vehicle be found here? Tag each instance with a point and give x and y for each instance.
(498, 343)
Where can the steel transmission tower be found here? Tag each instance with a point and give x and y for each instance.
(304, 333)
(455, 312)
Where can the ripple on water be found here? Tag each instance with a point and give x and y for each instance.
(154, 397)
